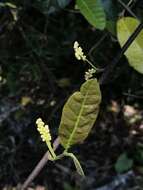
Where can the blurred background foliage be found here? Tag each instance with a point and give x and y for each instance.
(38, 73)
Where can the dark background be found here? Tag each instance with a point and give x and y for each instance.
(37, 62)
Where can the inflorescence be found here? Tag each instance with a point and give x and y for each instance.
(43, 130)
(79, 52)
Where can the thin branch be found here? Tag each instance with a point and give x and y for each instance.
(95, 46)
(132, 95)
(39, 166)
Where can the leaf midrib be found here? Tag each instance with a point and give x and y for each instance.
(78, 120)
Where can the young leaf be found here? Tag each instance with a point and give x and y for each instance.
(125, 27)
(76, 163)
(93, 11)
(123, 163)
(79, 114)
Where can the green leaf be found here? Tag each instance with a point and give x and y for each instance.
(123, 163)
(125, 27)
(79, 114)
(93, 11)
(111, 27)
(76, 163)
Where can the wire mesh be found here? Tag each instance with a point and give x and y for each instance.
(126, 7)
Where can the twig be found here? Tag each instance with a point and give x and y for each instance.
(39, 166)
(44, 159)
(97, 44)
(132, 95)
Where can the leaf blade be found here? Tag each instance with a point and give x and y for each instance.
(125, 27)
(93, 11)
(79, 114)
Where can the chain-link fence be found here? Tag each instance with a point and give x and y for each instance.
(129, 9)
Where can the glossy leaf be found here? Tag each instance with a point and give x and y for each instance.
(125, 27)
(93, 11)
(79, 114)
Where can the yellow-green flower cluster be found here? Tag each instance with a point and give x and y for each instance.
(89, 74)
(43, 130)
(79, 52)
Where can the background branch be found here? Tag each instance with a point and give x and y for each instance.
(39, 166)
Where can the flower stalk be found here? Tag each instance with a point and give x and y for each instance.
(79, 54)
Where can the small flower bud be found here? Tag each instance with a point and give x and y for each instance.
(89, 74)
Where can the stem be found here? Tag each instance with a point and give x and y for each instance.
(89, 62)
(53, 155)
(39, 166)
(76, 162)
(59, 157)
